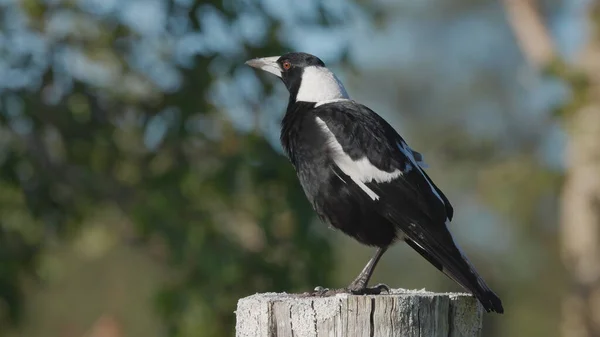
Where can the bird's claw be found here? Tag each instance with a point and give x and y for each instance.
(382, 286)
(376, 290)
(321, 291)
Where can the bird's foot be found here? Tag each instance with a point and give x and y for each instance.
(324, 292)
(376, 290)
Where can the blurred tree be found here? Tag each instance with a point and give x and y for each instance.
(581, 193)
(580, 220)
(120, 104)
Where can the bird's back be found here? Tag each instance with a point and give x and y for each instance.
(324, 184)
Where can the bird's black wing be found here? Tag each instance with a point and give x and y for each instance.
(361, 133)
(381, 169)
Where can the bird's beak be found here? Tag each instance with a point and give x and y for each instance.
(268, 64)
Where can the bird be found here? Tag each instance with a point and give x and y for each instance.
(362, 178)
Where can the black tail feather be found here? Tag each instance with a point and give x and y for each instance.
(461, 271)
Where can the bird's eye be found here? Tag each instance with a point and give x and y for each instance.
(287, 65)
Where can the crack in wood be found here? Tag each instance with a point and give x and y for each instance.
(372, 316)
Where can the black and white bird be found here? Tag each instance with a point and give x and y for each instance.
(361, 176)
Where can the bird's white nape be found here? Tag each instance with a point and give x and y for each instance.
(319, 84)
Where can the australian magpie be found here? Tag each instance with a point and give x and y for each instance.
(361, 176)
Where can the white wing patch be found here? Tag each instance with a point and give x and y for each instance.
(319, 84)
(360, 171)
(406, 150)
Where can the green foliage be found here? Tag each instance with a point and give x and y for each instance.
(112, 115)
(577, 81)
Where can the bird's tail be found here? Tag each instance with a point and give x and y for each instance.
(457, 267)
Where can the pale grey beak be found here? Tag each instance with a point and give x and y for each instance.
(268, 64)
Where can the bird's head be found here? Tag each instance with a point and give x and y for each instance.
(305, 76)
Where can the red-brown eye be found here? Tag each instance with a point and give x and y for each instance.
(287, 65)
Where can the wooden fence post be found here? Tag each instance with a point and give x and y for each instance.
(402, 313)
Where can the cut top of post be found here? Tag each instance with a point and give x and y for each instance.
(401, 313)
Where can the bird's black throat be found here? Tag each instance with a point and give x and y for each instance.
(294, 127)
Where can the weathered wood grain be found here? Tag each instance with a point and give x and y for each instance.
(402, 313)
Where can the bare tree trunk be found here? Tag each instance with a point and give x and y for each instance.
(580, 218)
(530, 31)
(581, 203)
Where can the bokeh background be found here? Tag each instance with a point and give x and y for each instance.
(143, 188)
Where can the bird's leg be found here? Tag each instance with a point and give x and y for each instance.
(359, 285)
